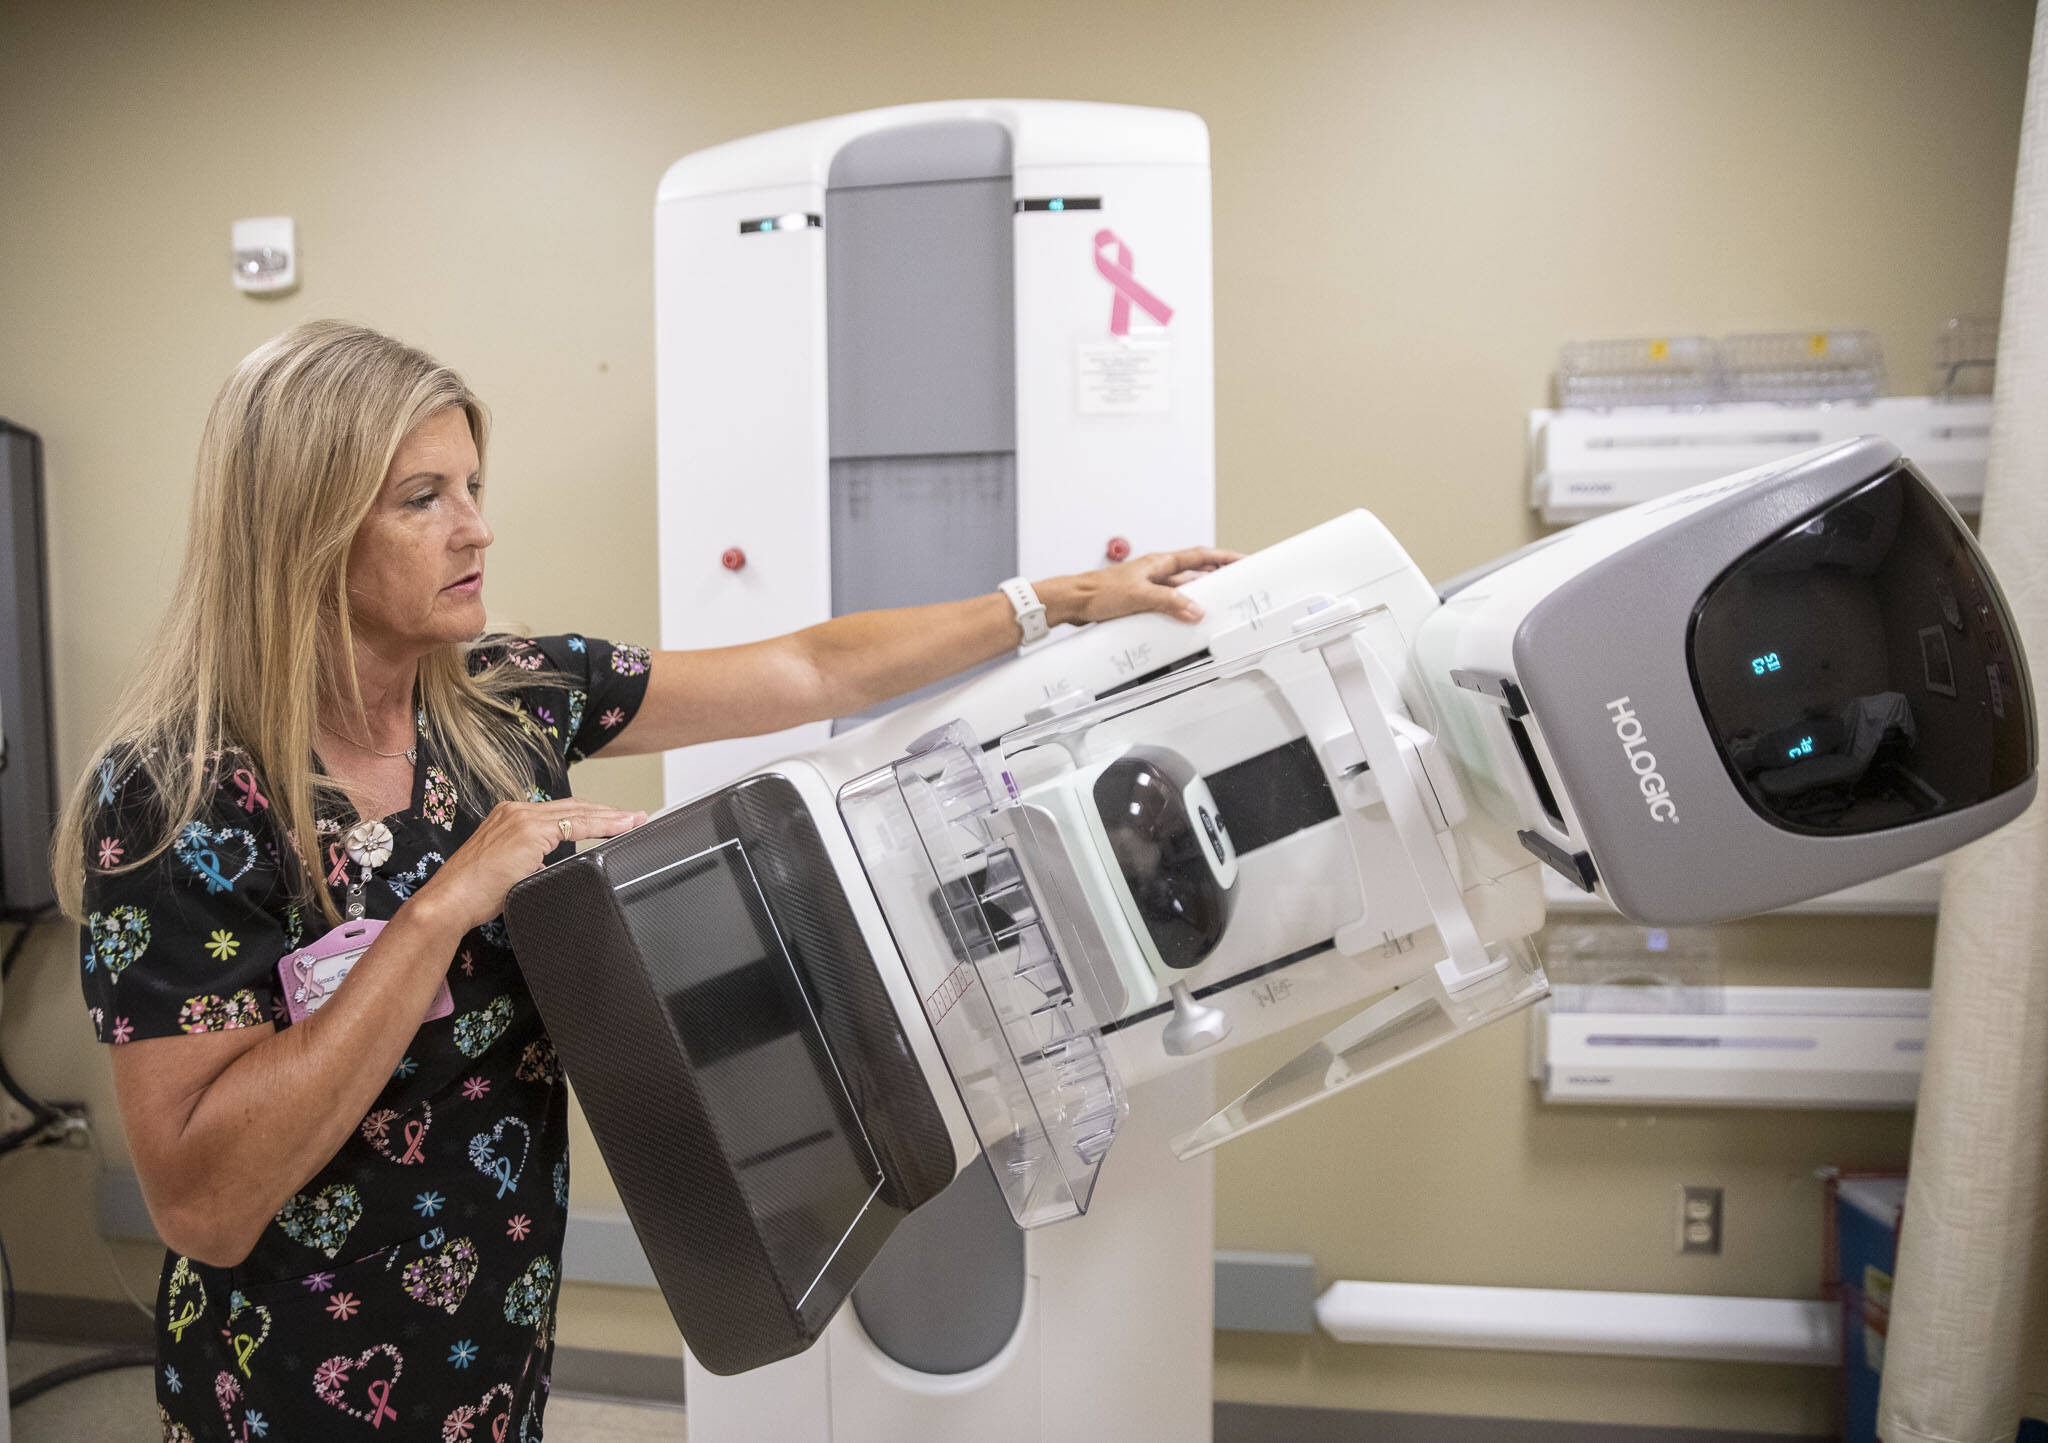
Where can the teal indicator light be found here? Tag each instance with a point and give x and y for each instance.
(1056, 205)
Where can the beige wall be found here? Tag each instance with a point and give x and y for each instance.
(1416, 201)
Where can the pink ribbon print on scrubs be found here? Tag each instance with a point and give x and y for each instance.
(251, 798)
(1113, 261)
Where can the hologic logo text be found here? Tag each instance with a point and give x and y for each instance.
(1643, 762)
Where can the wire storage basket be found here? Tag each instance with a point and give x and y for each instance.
(1803, 367)
(1651, 371)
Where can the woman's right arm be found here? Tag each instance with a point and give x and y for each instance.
(225, 1126)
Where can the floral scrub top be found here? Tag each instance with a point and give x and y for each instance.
(408, 1289)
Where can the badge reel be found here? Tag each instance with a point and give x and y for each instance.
(311, 974)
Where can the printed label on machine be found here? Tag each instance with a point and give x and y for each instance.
(1122, 378)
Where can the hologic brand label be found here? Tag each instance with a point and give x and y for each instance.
(1635, 745)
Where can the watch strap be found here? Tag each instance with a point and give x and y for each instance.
(1030, 610)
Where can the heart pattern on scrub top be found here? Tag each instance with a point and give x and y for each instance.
(209, 852)
(243, 1342)
(483, 1151)
(441, 1280)
(538, 1063)
(526, 1300)
(227, 1392)
(324, 1220)
(376, 1130)
(184, 1300)
(406, 883)
(476, 1031)
(119, 936)
(458, 1423)
(209, 1013)
(332, 1378)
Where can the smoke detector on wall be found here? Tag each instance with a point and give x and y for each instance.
(265, 254)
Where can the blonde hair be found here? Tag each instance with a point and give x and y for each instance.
(257, 636)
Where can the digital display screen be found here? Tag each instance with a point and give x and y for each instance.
(1859, 670)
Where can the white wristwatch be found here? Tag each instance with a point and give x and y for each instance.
(1030, 610)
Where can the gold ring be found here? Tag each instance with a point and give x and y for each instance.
(565, 826)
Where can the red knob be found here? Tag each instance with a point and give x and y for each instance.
(1118, 549)
(732, 558)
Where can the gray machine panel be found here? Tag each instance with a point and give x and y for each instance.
(28, 789)
(774, 1127)
(919, 306)
(1618, 637)
(921, 369)
(946, 1291)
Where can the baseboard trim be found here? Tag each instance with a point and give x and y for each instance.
(1268, 1423)
(658, 1379)
(617, 1377)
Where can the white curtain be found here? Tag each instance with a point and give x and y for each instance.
(1967, 1355)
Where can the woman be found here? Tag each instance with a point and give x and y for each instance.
(363, 1182)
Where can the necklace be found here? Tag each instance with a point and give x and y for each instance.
(411, 753)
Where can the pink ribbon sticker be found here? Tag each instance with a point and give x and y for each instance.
(338, 859)
(1117, 272)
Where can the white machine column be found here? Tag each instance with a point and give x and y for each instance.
(1114, 1338)
(905, 354)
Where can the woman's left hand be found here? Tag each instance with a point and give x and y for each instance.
(1144, 583)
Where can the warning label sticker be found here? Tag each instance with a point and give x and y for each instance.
(1123, 377)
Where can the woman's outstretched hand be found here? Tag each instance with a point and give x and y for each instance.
(1144, 583)
(512, 843)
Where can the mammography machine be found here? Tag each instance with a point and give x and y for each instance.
(897, 1038)
(952, 942)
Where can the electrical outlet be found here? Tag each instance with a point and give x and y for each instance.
(1699, 1220)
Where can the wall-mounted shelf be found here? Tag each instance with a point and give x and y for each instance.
(1586, 462)
(1808, 1047)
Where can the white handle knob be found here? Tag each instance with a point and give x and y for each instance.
(1193, 1026)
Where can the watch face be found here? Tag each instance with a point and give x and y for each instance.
(1859, 670)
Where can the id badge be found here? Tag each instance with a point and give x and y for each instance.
(310, 975)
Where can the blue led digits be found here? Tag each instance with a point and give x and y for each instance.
(1761, 664)
(1804, 749)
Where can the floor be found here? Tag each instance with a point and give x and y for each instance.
(120, 1407)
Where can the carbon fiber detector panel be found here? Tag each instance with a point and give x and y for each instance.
(748, 1081)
